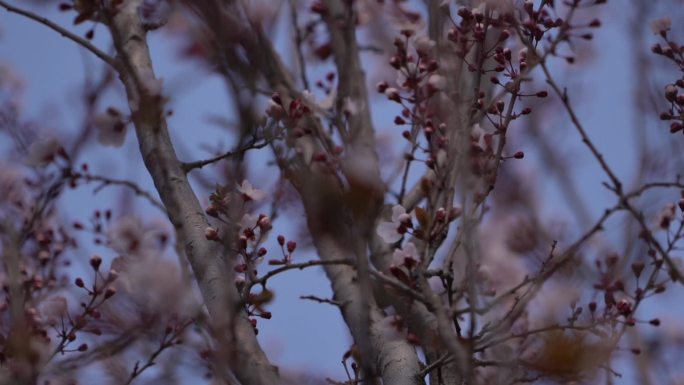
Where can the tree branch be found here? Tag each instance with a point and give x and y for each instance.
(64, 32)
(236, 335)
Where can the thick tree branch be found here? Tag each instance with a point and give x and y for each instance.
(248, 361)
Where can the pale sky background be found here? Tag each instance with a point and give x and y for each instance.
(302, 334)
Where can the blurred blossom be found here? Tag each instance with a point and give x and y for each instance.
(501, 6)
(552, 303)
(666, 216)
(111, 128)
(423, 44)
(53, 309)
(351, 106)
(9, 80)
(248, 221)
(437, 82)
(325, 104)
(43, 151)
(129, 236)
(153, 283)
(154, 13)
(391, 328)
(500, 266)
(11, 186)
(661, 25)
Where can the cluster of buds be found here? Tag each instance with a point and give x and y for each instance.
(675, 98)
(286, 248)
(417, 71)
(291, 114)
(99, 293)
(675, 53)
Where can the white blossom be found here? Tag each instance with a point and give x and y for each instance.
(388, 231)
(407, 255)
(478, 134)
(112, 128)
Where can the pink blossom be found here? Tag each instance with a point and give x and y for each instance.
(249, 193)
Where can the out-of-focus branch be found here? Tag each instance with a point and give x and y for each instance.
(616, 184)
(248, 361)
(64, 32)
(137, 190)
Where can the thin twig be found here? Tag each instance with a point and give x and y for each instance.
(322, 300)
(617, 185)
(64, 32)
(262, 280)
(189, 166)
(105, 181)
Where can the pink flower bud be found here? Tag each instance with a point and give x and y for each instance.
(291, 246)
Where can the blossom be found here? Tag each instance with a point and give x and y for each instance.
(248, 221)
(390, 231)
(129, 236)
(437, 82)
(666, 216)
(480, 137)
(392, 328)
(392, 94)
(423, 45)
(325, 104)
(154, 13)
(274, 110)
(53, 309)
(153, 284)
(249, 193)
(406, 256)
(112, 128)
(662, 25)
(43, 151)
(351, 106)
